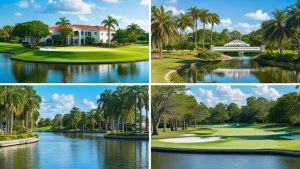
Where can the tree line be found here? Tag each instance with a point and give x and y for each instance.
(171, 107)
(118, 111)
(169, 31)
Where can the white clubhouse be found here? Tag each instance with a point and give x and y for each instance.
(99, 33)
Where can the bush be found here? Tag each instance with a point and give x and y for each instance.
(279, 58)
(175, 78)
(90, 41)
(206, 54)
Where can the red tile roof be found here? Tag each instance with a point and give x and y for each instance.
(84, 27)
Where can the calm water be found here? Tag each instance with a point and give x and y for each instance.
(203, 161)
(240, 70)
(24, 72)
(76, 151)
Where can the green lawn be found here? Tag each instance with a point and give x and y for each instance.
(242, 137)
(169, 62)
(78, 54)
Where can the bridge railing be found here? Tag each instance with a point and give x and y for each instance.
(237, 48)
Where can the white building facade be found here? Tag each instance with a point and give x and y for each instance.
(81, 32)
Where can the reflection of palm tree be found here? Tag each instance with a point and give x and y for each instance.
(29, 72)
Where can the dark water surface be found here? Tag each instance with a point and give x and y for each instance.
(240, 70)
(25, 72)
(76, 151)
(204, 161)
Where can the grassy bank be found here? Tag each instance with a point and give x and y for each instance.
(234, 137)
(16, 136)
(78, 54)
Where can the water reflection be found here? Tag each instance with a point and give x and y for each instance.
(25, 72)
(240, 70)
(76, 151)
(205, 161)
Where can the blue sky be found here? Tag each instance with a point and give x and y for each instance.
(77, 11)
(212, 95)
(240, 15)
(61, 99)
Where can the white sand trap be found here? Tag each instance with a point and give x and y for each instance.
(188, 135)
(48, 48)
(294, 137)
(191, 139)
(279, 132)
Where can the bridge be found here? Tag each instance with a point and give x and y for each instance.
(237, 46)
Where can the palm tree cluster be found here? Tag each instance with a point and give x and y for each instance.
(284, 25)
(124, 105)
(166, 27)
(110, 23)
(18, 104)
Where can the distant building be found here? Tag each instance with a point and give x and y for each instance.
(99, 33)
(237, 43)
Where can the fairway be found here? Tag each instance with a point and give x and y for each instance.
(234, 137)
(77, 54)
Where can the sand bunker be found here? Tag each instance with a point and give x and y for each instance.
(279, 132)
(191, 139)
(188, 135)
(294, 137)
(48, 49)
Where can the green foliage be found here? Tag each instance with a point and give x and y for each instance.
(206, 54)
(90, 41)
(278, 57)
(175, 78)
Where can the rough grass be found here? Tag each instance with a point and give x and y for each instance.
(78, 54)
(242, 137)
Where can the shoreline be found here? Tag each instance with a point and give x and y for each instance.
(69, 131)
(18, 142)
(285, 65)
(228, 151)
(146, 138)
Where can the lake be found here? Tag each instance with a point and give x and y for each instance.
(76, 151)
(161, 160)
(26, 72)
(239, 70)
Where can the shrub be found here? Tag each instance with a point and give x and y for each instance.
(175, 78)
(205, 54)
(278, 58)
(89, 40)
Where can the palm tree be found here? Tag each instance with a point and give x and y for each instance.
(63, 23)
(183, 21)
(194, 12)
(134, 31)
(12, 102)
(204, 16)
(213, 19)
(32, 104)
(110, 23)
(293, 21)
(104, 106)
(146, 104)
(163, 27)
(276, 29)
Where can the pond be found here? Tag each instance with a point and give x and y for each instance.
(162, 160)
(239, 70)
(26, 72)
(76, 151)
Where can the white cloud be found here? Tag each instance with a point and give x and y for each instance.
(98, 96)
(207, 97)
(113, 1)
(70, 6)
(125, 21)
(145, 2)
(247, 28)
(18, 14)
(266, 91)
(174, 10)
(23, 4)
(258, 15)
(227, 95)
(83, 18)
(226, 22)
(172, 1)
(89, 103)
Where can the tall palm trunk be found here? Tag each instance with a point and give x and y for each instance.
(26, 122)
(109, 36)
(280, 46)
(211, 33)
(141, 120)
(180, 39)
(196, 27)
(135, 113)
(123, 122)
(147, 121)
(160, 50)
(203, 45)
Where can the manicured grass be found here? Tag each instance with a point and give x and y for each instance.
(47, 128)
(16, 136)
(78, 54)
(242, 137)
(169, 62)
